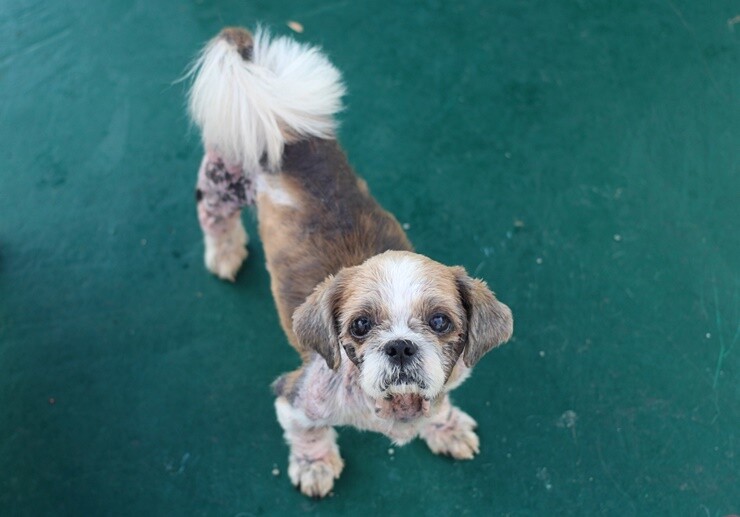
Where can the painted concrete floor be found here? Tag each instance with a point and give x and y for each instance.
(582, 157)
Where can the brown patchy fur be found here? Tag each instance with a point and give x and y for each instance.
(336, 224)
(314, 245)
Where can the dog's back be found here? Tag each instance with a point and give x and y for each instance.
(330, 221)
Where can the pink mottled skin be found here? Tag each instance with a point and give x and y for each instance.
(328, 398)
(222, 191)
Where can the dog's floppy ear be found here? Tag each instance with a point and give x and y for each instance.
(314, 322)
(490, 322)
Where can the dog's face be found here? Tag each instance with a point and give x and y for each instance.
(404, 320)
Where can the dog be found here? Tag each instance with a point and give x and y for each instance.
(384, 333)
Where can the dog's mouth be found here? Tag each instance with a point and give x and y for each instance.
(402, 406)
(403, 381)
(404, 378)
(402, 397)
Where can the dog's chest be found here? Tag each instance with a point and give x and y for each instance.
(335, 398)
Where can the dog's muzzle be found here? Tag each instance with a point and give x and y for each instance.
(405, 405)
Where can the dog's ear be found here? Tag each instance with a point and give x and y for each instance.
(490, 322)
(315, 321)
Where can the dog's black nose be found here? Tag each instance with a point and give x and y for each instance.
(400, 351)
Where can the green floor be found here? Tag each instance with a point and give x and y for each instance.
(581, 156)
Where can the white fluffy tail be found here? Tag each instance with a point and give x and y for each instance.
(250, 95)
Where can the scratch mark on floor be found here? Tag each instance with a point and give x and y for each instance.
(478, 268)
(544, 476)
(692, 32)
(45, 42)
(183, 462)
(609, 476)
(724, 351)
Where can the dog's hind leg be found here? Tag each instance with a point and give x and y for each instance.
(222, 191)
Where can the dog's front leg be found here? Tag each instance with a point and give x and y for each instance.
(222, 191)
(314, 461)
(451, 431)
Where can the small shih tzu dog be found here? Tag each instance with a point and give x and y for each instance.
(384, 333)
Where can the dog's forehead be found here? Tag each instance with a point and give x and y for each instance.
(403, 278)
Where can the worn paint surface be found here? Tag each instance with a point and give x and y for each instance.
(579, 156)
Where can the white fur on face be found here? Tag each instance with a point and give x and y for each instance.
(400, 284)
(377, 369)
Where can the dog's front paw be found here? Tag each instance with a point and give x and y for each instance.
(225, 253)
(453, 435)
(315, 477)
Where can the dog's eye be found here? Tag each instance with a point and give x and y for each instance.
(440, 323)
(360, 327)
